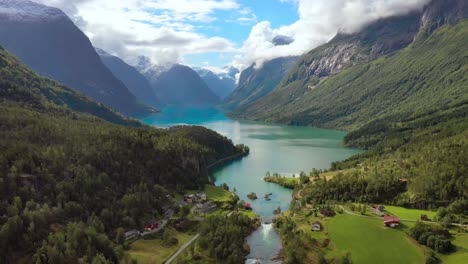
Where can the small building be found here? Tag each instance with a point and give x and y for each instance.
(248, 206)
(132, 234)
(207, 207)
(391, 221)
(378, 209)
(151, 226)
(424, 217)
(316, 226)
(327, 212)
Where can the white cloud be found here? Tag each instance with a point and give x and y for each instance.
(319, 21)
(164, 30)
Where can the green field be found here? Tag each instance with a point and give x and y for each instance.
(413, 214)
(217, 194)
(461, 255)
(368, 241)
(152, 250)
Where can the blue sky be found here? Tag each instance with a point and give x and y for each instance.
(215, 33)
(278, 13)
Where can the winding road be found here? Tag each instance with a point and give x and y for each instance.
(182, 248)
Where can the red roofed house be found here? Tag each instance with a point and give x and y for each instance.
(151, 226)
(391, 221)
(247, 206)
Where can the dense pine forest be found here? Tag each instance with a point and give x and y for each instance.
(69, 180)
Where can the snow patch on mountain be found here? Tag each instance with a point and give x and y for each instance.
(25, 10)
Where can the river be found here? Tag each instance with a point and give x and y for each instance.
(275, 148)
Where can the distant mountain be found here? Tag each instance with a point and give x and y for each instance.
(281, 40)
(255, 83)
(395, 68)
(131, 77)
(177, 85)
(48, 42)
(25, 88)
(221, 83)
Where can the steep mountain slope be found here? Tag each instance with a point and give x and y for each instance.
(256, 83)
(177, 84)
(23, 86)
(222, 84)
(48, 42)
(133, 80)
(348, 82)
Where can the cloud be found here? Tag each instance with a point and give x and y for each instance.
(319, 21)
(163, 30)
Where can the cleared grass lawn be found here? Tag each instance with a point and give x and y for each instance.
(369, 242)
(152, 251)
(413, 214)
(217, 194)
(461, 255)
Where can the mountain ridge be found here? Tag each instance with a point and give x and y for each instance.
(54, 47)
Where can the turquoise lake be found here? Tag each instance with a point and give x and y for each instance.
(284, 149)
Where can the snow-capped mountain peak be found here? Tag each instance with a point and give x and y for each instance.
(25, 10)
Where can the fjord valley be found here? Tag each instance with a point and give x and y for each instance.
(154, 132)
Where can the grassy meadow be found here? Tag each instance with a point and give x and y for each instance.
(413, 214)
(367, 241)
(153, 251)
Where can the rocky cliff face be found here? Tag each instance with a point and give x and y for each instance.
(48, 42)
(377, 39)
(346, 50)
(355, 77)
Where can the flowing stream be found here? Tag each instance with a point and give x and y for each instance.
(275, 148)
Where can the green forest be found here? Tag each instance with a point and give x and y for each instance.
(70, 180)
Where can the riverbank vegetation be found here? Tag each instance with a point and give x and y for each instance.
(222, 239)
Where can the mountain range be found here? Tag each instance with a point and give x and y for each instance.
(134, 80)
(48, 42)
(398, 67)
(222, 83)
(177, 85)
(256, 82)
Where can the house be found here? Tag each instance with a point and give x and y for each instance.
(248, 206)
(131, 234)
(151, 226)
(378, 209)
(391, 221)
(327, 212)
(424, 217)
(316, 226)
(207, 207)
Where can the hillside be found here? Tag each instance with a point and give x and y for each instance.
(23, 86)
(70, 179)
(133, 80)
(48, 42)
(255, 83)
(331, 90)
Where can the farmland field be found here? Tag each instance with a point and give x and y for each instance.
(413, 214)
(152, 250)
(368, 241)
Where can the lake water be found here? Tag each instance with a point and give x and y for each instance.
(275, 148)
